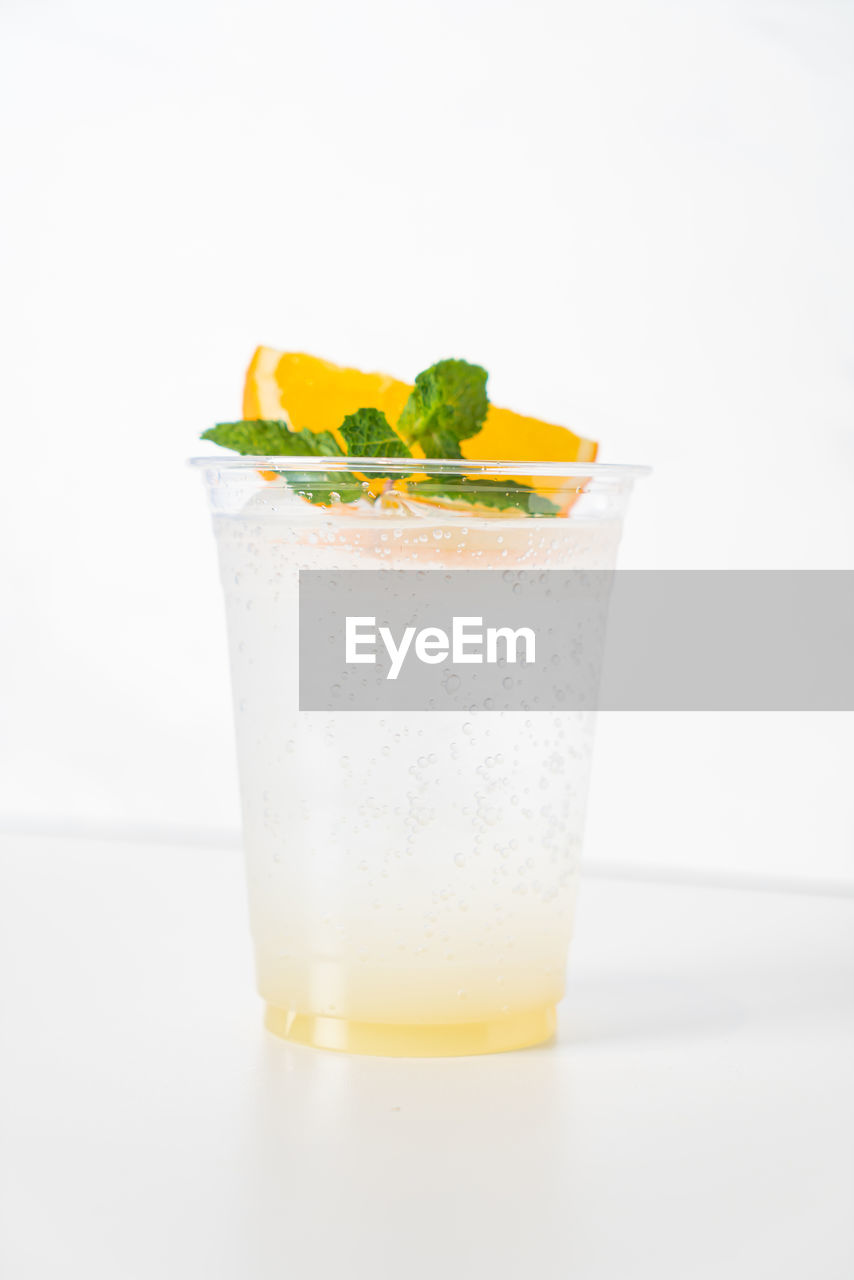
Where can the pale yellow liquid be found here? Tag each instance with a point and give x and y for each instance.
(414, 1040)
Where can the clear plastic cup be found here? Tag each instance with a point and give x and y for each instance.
(412, 876)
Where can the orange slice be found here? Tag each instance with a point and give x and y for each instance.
(313, 394)
(317, 395)
(512, 436)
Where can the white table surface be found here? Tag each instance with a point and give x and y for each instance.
(694, 1119)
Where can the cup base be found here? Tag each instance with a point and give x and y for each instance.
(413, 1040)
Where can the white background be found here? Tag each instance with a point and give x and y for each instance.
(636, 215)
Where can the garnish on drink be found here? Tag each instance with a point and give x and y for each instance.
(297, 405)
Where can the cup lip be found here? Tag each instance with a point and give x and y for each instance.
(409, 466)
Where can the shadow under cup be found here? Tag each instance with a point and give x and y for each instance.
(411, 875)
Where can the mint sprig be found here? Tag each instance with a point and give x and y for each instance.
(448, 404)
(273, 437)
(502, 493)
(367, 434)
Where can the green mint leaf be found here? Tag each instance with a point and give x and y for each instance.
(448, 404)
(271, 437)
(367, 434)
(485, 493)
(274, 438)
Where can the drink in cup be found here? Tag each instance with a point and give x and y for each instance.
(412, 874)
